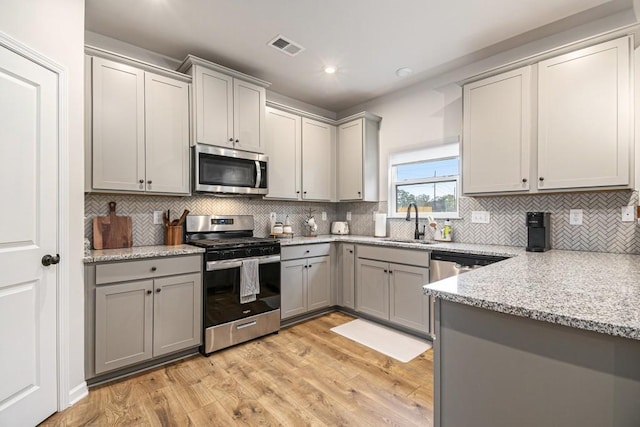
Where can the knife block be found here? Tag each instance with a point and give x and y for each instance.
(173, 235)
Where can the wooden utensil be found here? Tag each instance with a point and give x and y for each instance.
(183, 217)
(110, 232)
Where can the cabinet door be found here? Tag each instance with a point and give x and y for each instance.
(124, 324)
(318, 141)
(213, 94)
(167, 135)
(248, 116)
(177, 313)
(318, 283)
(497, 133)
(348, 276)
(408, 305)
(584, 118)
(372, 288)
(118, 126)
(283, 145)
(293, 288)
(349, 159)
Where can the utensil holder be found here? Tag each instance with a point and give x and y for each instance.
(173, 235)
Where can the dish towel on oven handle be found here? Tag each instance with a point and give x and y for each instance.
(249, 280)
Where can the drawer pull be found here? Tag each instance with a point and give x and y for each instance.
(158, 290)
(246, 325)
(149, 292)
(154, 268)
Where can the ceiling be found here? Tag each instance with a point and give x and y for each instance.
(368, 40)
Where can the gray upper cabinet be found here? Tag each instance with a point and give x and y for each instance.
(138, 123)
(141, 310)
(357, 158)
(229, 107)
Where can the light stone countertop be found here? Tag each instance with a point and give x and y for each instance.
(586, 290)
(139, 252)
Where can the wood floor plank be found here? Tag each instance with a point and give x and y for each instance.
(306, 375)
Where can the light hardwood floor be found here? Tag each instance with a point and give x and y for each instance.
(305, 375)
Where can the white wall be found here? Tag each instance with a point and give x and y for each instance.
(55, 28)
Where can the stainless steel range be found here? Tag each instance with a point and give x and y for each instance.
(231, 247)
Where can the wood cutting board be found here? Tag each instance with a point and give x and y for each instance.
(111, 232)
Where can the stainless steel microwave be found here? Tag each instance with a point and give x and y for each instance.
(224, 171)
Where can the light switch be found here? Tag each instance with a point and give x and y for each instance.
(157, 217)
(480, 217)
(348, 216)
(575, 216)
(324, 216)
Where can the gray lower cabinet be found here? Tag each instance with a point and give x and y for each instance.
(305, 283)
(141, 310)
(348, 275)
(390, 290)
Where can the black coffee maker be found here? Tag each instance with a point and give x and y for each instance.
(538, 231)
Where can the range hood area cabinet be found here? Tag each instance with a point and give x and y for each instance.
(563, 124)
(228, 106)
(137, 128)
(301, 157)
(357, 157)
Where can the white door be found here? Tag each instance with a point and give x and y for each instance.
(249, 102)
(28, 231)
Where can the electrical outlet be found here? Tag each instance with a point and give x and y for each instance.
(575, 216)
(628, 213)
(348, 216)
(157, 217)
(480, 217)
(272, 217)
(324, 216)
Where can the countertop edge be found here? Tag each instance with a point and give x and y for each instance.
(139, 252)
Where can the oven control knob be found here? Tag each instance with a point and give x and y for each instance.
(247, 252)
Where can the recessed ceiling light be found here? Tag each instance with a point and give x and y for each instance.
(403, 72)
(330, 69)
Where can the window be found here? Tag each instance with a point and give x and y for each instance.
(429, 178)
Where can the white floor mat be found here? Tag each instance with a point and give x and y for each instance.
(400, 346)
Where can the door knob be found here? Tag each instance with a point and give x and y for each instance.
(48, 260)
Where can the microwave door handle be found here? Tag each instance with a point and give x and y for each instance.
(258, 174)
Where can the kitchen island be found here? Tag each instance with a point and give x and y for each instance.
(547, 339)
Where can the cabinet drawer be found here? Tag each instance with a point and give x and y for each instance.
(398, 256)
(305, 251)
(148, 268)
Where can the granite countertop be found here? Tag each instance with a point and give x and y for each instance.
(586, 290)
(497, 250)
(139, 252)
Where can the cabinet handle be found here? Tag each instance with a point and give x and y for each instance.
(237, 141)
(141, 181)
(359, 193)
(149, 182)
(390, 272)
(310, 266)
(297, 192)
(304, 192)
(306, 252)
(149, 292)
(230, 139)
(154, 268)
(541, 178)
(350, 251)
(158, 290)
(524, 179)
(385, 271)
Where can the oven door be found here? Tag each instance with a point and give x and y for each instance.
(222, 290)
(218, 170)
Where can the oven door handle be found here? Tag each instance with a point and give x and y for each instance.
(223, 265)
(236, 263)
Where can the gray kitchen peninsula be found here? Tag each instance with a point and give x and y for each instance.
(540, 339)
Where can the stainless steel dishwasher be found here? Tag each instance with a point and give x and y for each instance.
(447, 264)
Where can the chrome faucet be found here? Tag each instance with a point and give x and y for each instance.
(417, 233)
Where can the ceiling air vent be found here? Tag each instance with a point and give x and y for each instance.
(285, 45)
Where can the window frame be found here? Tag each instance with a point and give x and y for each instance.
(425, 155)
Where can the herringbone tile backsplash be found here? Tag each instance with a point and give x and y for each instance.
(140, 209)
(602, 229)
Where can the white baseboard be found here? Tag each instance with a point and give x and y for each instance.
(78, 393)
